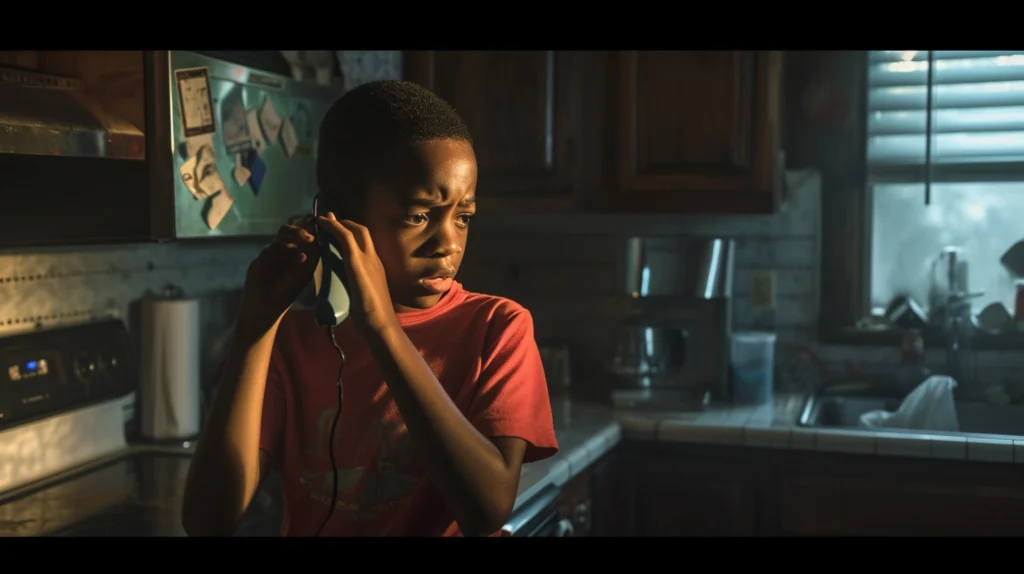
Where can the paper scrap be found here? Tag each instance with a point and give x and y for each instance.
(270, 121)
(195, 102)
(207, 177)
(212, 183)
(219, 206)
(300, 120)
(233, 123)
(193, 143)
(240, 172)
(252, 119)
(323, 76)
(289, 140)
(188, 175)
(257, 170)
(199, 173)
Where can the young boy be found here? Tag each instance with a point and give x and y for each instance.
(444, 393)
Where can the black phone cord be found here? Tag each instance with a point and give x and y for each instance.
(334, 428)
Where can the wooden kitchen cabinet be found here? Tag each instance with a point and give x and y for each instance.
(642, 492)
(611, 491)
(685, 497)
(574, 503)
(520, 108)
(631, 131)
(698, 131)
(700, 490)
(869, 496)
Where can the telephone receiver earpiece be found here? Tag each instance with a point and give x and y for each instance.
(332, 300)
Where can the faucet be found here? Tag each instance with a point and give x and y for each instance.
(958, 308)
(956, 315)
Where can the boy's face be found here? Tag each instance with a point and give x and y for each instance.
(419, 219)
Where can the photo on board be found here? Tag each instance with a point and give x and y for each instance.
(235, 128)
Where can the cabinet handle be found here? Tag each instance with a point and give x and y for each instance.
(565, 528)
(582, 513)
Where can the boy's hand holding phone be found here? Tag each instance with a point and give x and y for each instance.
(367, 283)
(277, 276)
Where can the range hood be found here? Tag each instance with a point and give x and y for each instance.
(46, 114)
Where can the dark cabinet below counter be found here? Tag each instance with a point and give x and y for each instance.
(652, 489)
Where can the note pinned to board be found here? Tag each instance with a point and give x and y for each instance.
(199, 173)
(270, 121)
(194, 143)
(218, 208)
(257, 169)
(195, 103)
(212, 184)
(188, 175)
(253, 121)
(289, 139)
(233, 124)
(241, 172)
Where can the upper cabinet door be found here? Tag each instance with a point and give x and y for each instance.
(520, 108)
(698, 132)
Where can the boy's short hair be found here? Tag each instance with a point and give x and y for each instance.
(361, 132)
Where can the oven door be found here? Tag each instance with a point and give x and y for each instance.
(539, 517)
(78, 134)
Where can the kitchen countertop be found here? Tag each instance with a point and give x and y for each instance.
(587, 431)
(138, 491)
(774, 426)
(149, 477)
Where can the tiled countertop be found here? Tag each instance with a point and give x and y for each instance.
(587, 431)
(774, 426)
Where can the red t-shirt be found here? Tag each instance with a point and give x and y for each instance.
(482, 350)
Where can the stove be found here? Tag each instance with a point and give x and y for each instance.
(66, 467)
(137, 494)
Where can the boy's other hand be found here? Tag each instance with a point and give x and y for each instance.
(278, 275)
(367, 283)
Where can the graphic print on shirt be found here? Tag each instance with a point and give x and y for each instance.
(378, 478)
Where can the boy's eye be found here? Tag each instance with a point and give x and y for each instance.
(464, 219)
(417, 218)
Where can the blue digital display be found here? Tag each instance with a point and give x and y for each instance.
(28, 370)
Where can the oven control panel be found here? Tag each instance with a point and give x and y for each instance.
(47, 372)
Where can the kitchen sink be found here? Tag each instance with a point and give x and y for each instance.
(974, 417)
(838, 411)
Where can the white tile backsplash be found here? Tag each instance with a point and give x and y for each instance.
(65, 286)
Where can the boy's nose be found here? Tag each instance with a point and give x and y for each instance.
(446, 242)
(446, 249)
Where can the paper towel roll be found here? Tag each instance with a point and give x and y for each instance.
(169, 366)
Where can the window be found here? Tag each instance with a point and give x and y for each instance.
(965, 190)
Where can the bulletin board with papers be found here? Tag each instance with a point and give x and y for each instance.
(244, 146)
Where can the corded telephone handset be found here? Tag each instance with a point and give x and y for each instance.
(332, 308)
(332, 301)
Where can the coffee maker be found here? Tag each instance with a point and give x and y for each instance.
(672, 350)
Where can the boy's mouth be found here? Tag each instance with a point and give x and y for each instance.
(438, 283)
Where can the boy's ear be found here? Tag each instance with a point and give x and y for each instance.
(347, 206)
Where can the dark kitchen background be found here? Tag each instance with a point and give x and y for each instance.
(563, 267)
(632, 201)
